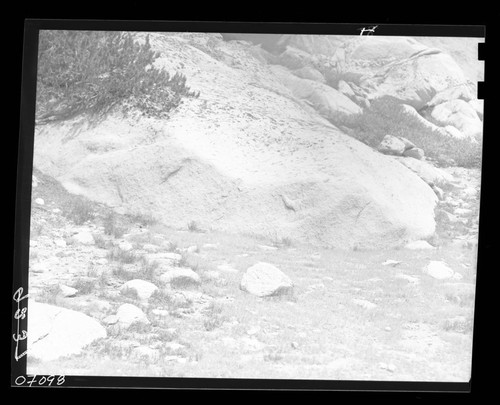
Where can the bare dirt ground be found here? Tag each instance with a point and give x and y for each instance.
(351, 314)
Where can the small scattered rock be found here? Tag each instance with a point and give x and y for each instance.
(110, 320)
(210, 246)
(180, 274)
(364, 303)
(388, 329)
(264, 279)
(410, 279)
(40, 201)
(150, 248)
(40, 267)
(392, 145)
(60, 243)
(418, 245)
(438, 270)
(265, 247)
(462, 211)
(128, 314)
(294, 345)
(390, 262)
(415, 153)
(83, 238)
(56, 211)
(67, 291)
(102, 261)
(192, 249)
(143, 289)
(125, 246)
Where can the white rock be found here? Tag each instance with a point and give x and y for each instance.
(264, 279)
(265, 247)
(418, 245)
(34, 182)
(55, 332)
(438, 270)
(60, 243)
(462, 211)
(126, 246)
(143, 289)
(180, 274)
(392, 145)
(128, 314)
(210, 246)
(83, 238)
(364, 303)
(102, 261)
(171, 256)
(410, 279)
(56, 211)
(192, 249)
(40, 267)
(457, 276)
(390, 262)
(40, 201)
(67, 291)
(149, 247)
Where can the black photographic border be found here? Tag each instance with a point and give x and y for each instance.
(23, 193)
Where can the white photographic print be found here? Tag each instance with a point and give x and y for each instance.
(269, 206)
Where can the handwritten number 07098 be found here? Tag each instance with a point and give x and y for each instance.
(30, 380)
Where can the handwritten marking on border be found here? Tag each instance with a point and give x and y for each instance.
(43, 380)
(19, 315)
(369, 30)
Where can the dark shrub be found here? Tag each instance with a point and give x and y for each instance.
(94, 71)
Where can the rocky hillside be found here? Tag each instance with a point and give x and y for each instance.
(259, 152)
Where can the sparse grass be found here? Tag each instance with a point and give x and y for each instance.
(79, 210)
(459, 325)
(112, 226)
(160, 298)
(100, 241)
(144, 220)
(49, 294)
(122, 256)
(36, 230)
(386, 116)
(193, 227)
(147, 270)
(85, 285)
(214, 317)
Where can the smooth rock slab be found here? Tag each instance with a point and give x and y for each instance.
(54, 332)
(264, 279)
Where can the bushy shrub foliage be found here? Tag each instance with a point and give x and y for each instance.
(387, 116)
(94, 71)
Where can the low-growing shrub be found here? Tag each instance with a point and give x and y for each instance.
(112, 226)
(79, 210)
(92, 72)
(386, 115)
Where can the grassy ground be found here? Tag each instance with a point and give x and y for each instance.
(349, 316)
